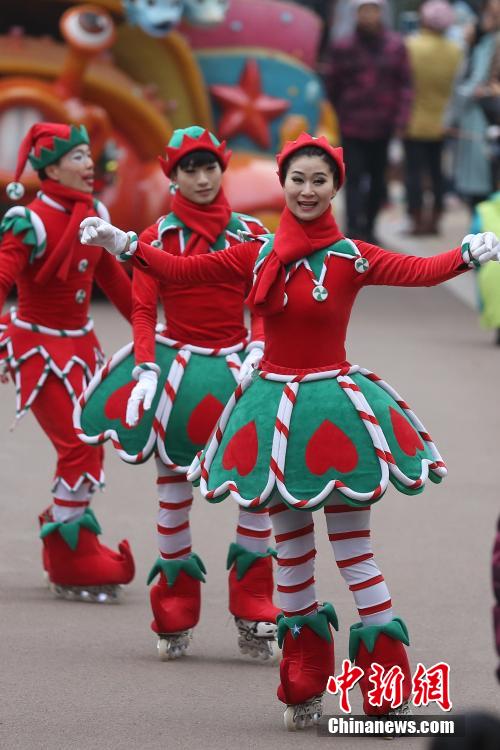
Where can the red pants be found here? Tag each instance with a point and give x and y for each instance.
(53, 410)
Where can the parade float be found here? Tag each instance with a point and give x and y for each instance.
(132, 72)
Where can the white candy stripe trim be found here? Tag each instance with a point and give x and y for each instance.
(171, 388)
(50, 366)
(50, 202)
(164, 408)
(438, 466)
(61, 332)
(204, 351)
(111, 434)
(280, 442)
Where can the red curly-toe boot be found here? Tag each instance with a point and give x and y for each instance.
(307, 663)
(79, 566)
(176, 603)
(251, 589)
(384, 645)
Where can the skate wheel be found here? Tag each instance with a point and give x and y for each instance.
(288, 718)
(274, 652)
(163, 650)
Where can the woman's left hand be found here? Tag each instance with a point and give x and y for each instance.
(478, 249)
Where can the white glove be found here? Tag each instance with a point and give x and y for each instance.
(96, 231)
(481, 248)
(143, 393)
(250, 363)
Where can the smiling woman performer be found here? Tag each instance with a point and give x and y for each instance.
(309, 430)
(198, 359)
(50, 364)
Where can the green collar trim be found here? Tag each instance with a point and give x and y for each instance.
(78, 135)
(244, 558)
(319, 622)
(368, 634)
(193, 566)
(316, 261)
(70, 531)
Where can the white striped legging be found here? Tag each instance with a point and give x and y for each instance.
(175, 496)
(349, 534)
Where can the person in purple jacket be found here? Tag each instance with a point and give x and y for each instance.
(496, 589)
(371, 90)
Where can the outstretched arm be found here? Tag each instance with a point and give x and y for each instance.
(396, 269)
(236, 261)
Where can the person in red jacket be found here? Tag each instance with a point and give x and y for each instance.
(48, 347)
(197, 359)
(308, 429)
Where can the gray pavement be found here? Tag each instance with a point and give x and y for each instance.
(86, 677)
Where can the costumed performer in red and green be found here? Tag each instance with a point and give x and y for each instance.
(308, 430)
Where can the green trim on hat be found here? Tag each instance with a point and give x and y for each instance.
(194, 131)
(70, 530)
(368, 634)
(78, 136)
(319, 622)
(244, 558)
(193, 566)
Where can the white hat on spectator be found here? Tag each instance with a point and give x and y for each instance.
(437, 15)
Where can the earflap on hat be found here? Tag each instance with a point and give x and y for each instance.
(49, 142)
(186, 140)
(303, 141)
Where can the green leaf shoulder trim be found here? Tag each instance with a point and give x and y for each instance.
(368, 634)
(193, 566)
(319, 622)
(20, 220)
(244, 558)
(70, 530)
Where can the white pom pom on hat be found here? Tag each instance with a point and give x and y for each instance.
(15, 190)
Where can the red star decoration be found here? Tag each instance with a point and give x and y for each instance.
(245, 109)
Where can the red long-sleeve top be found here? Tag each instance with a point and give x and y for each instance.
(209, 315)
(306, 334)
(56, 303)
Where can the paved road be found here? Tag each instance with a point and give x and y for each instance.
(86, 677)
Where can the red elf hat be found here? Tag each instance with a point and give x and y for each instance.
(304, 139)
(49, 141)
(186, 140)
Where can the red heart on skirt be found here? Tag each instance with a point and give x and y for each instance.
(203, 419)
(242, 450)
(116, 405)
(331, 448)
(406, 435)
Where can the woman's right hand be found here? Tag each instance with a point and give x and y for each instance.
(142, 393)
(96, 231)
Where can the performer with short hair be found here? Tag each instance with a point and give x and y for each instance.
(49, 348)
(197, 360)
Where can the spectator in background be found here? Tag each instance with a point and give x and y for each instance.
(496, 590)
(370, 88)
(434, 62)
(473, 156)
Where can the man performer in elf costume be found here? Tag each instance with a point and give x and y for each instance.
(49, 348)
(309, 430)
(182, 386)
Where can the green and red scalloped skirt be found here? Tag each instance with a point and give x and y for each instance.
(194, 385)
(343, 433)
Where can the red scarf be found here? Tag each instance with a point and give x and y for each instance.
(79, 205)
(206, 222)
(294, 240)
